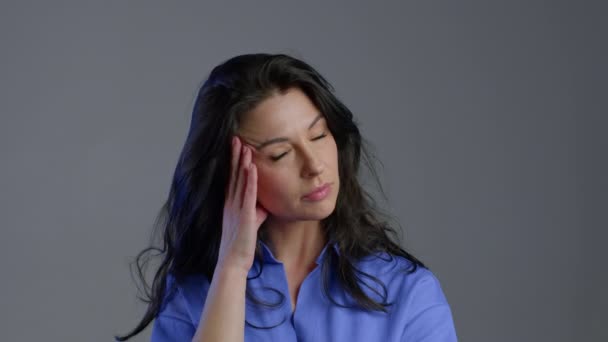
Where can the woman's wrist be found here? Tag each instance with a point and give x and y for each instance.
(227, 269)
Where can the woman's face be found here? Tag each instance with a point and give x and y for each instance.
(294, 152)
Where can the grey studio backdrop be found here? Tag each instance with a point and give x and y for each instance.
(487, 117)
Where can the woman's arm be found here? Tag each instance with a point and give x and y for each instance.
(428, 314)
(223, 317)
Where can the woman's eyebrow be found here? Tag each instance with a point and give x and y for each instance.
(283, 139)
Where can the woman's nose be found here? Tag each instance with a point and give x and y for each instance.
(313, 165)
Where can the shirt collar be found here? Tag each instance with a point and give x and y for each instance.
(270, 258)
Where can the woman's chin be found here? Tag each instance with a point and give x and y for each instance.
(304, 214)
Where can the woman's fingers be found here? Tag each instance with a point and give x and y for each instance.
(234, 166)
(242, 176)
(251, 189)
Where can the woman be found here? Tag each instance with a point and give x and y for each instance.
(268, 234)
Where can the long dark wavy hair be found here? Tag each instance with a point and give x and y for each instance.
(191, 218)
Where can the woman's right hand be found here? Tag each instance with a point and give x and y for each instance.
(242, 215)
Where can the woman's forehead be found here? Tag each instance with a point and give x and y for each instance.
(281, 113)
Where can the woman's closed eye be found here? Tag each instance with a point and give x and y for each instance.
(275, 158)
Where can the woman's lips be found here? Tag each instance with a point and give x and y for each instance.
(319, 193)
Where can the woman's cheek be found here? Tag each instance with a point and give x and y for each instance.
(265, 185)
(273, 190)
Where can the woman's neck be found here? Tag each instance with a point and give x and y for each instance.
(297, 244)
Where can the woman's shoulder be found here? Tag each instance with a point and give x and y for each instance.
(184, 296)
(191, 286)
(405, 280)
(188, 282)
(180, 308)
(387, 264)
(420, 302)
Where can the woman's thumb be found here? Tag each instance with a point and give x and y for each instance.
(260, 214)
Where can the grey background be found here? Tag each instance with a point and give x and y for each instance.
(488, 118)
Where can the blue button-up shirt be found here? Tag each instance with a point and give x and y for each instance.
(420, 312)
